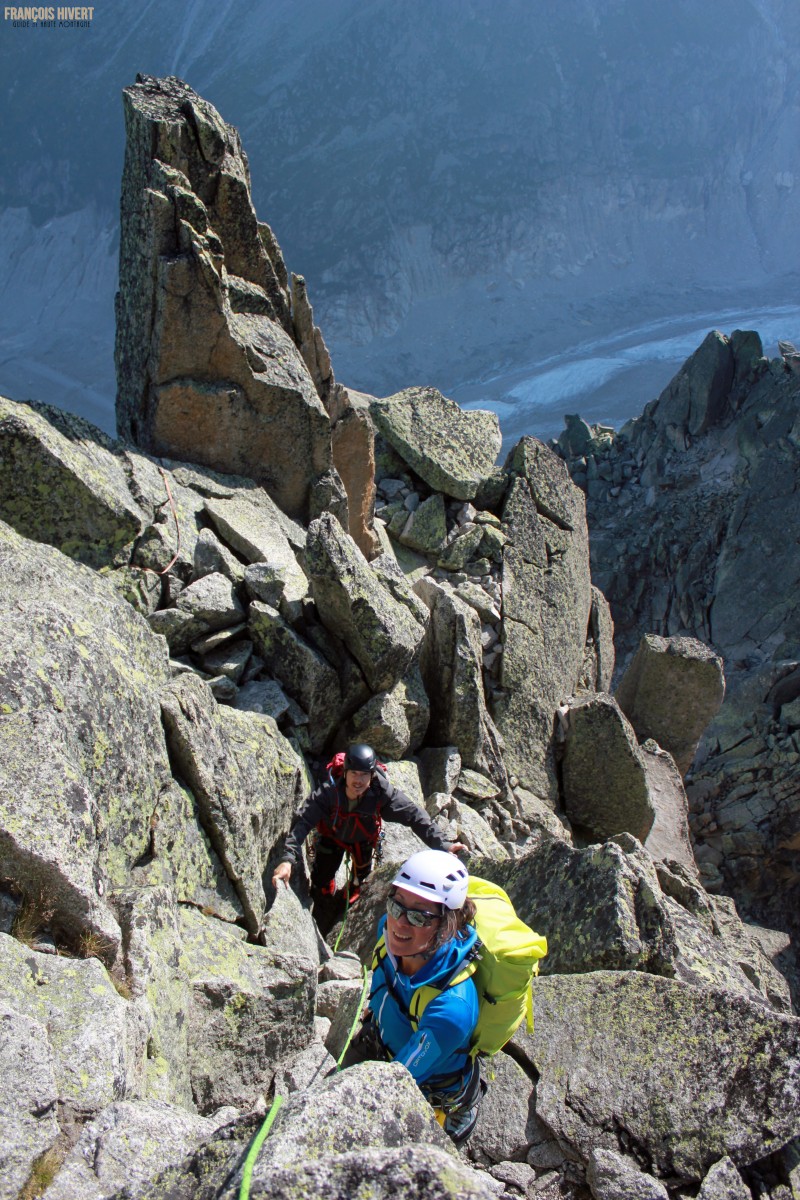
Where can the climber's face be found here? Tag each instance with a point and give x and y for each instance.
(357, 782)
(404, 939)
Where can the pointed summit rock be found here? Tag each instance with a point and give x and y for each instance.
(207, 366)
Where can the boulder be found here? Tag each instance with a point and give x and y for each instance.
(179, 628)
(334, 994)
(752, 947)
(697, 397)
(80, 676)
(212, 1163)
(603, 908)
(600, 908)
(385, 1110)
(723, 1182)
(400, 582)
(263, 696)
(230, 660)
(503, 1132)
(64, 482)
(159, 990)
(258, 531)
(410, 1170)
(346, 1016)
(304, 1070)
(382, 634)
(28, 1098)
(244, 776)
(475, 787)
(601, 636)
(341, 966)
(289, 927)
(250, 1008)
(669, 836)
(604, 771)
(96, 1039)
(206, 365)
(485, 605)
(463, 547)
(452, 672)
(520, 1176)
(450, 448)
(394, 723)
(223, 1012)
(128, 1144)
(306, 674)
(440, 767)
(49, 826)
(475, 831)
(181, 856)
(406, 1172)
(671, 692)
(706, 956)
(426, 527)
(540, 818)
(211, 555)
(211, 600)
(611, 1176)
(546, 606)
(353, 450)
(689, 1073)
(218, 639)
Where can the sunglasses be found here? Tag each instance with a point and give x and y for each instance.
(415, 916)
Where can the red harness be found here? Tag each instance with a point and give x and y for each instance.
(343, 820)
(361, 851)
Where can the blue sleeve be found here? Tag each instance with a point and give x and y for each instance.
(445, 1029)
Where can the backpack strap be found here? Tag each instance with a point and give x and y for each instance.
(379, 953)
(427, 992)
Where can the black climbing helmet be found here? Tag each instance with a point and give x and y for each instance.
(360, 758)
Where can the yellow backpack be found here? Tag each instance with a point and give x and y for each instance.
(506, 963)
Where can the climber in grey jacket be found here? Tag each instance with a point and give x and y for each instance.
(347, 813)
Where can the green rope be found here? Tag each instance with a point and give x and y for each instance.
(356, 1018)
(252, 1154)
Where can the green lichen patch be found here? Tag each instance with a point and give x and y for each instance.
(689, 1074)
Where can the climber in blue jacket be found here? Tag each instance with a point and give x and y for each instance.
(425, 939)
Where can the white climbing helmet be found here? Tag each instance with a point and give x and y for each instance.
(436, 875)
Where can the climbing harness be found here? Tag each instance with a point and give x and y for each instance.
(258, 1142)
(352, 823)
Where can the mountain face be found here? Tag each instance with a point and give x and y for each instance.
(191, 632)
(463, 184)
(694, 530)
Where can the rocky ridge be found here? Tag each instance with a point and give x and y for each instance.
(184, 647)
(693, 517)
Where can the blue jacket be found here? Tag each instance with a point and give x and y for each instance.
(440, 1047)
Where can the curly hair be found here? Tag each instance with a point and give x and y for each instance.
(454, 920)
